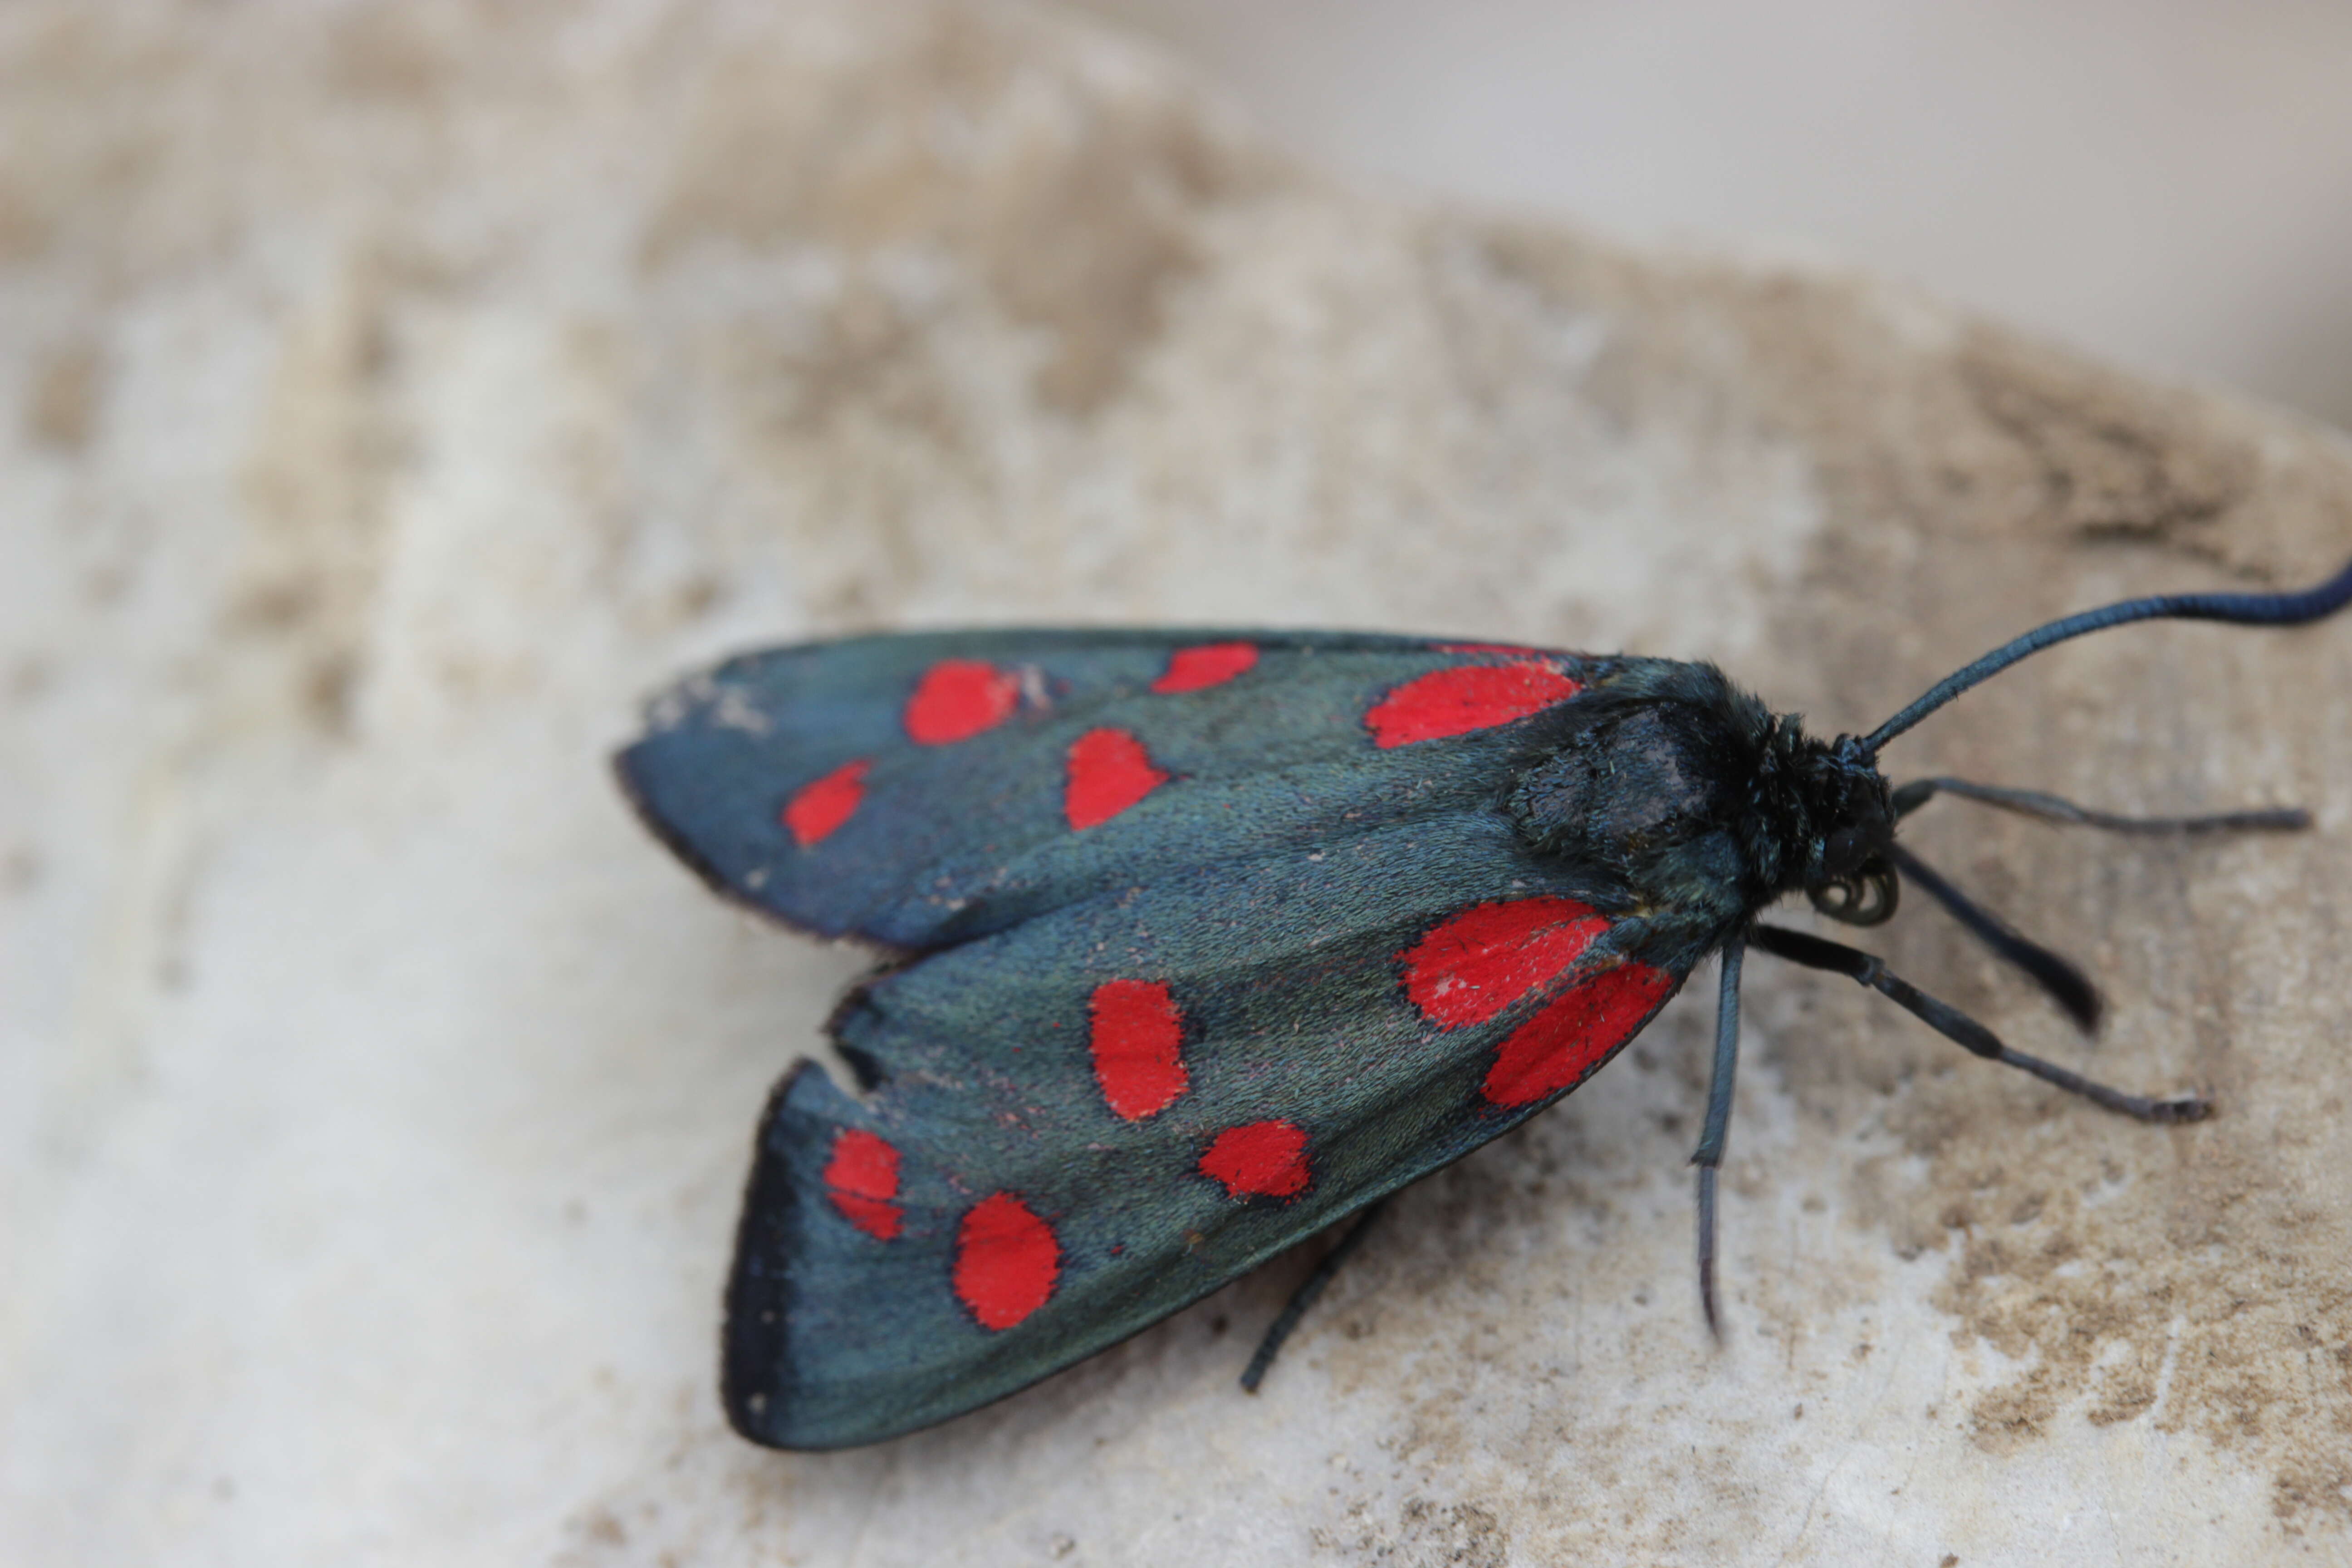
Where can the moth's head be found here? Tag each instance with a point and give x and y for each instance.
(1833, 814)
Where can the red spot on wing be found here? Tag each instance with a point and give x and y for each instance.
(958, 699)
(1556, 1048)
(817, 809)
(1110, 771)
(1006, 1261)
(1465, 697)
(1262, 1160)
(1137, 1039)
(861, 1178)
(1476, 963)
(1210, 664)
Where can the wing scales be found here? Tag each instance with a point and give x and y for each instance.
(912, 845)
(1210, 942)
(1302, 1051)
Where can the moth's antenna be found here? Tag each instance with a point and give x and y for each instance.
(2244, 609)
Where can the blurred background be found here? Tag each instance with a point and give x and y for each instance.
(2165, 182)
(392, 392)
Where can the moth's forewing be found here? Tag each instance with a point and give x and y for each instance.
(968, 827)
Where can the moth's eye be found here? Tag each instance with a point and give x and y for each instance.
(1843, 853)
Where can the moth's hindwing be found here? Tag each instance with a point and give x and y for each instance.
(1207, 949)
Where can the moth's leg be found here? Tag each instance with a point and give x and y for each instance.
(1910, 797)
(2055, 974)
(1304, 1297)
(1708, 1155)
(1814, 952)
(2067, 985)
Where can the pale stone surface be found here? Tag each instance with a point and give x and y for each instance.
(397, 391)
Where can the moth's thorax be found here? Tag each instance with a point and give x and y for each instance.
(1670, 786)
(1635, 782)
(1639, 789)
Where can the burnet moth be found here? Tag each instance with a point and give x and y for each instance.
(1197, 943)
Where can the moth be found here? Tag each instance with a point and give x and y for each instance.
(1197, 943)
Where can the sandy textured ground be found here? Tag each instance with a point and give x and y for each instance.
(393, 394)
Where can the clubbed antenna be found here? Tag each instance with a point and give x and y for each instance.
(2242, 609)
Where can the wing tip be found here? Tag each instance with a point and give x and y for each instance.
(632, 772)
(755, 1365)
(762, 1387)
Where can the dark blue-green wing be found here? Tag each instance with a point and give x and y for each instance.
(1210, 942)
(1075, 1126)
(917, 790)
